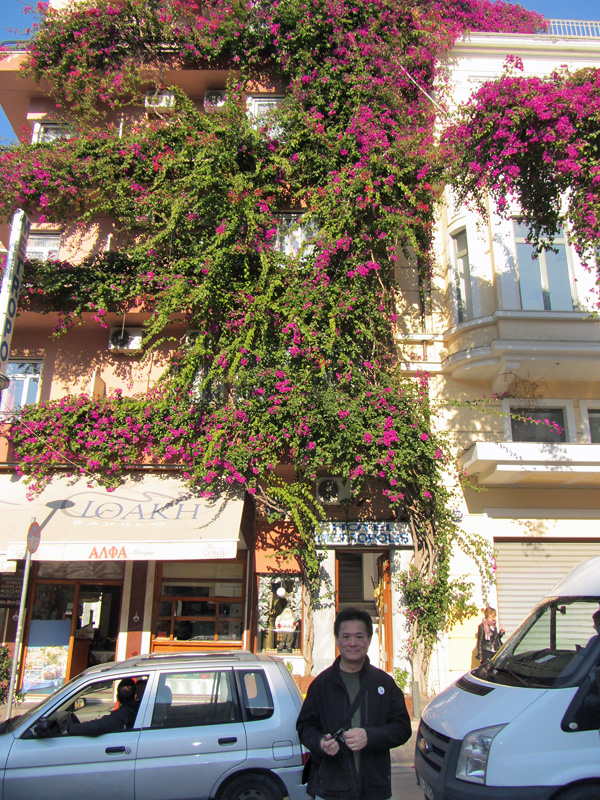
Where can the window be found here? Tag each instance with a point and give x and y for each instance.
(544, 281)
(460, 254)
(44, 132)
(259, 108)
(545, 425)
(201, 602)
(294, 234)
(185, 699)
(43, 246)
(590, 420)
(24, 385)
(256, 695)
(279, 613)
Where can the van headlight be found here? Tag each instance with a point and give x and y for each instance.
(474, 753)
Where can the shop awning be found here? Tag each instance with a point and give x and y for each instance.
(149, 517)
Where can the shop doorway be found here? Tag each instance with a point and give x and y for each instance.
(363, 581)
(72, 625)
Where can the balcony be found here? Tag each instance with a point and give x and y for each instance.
(532, 464)
(578, 28)
(561, 346)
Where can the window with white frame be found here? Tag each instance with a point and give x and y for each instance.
(44, 132)
(24, 386)
(542, 421)
(43, 246)
(590, 421)
(460, 257)
(259, 108)
(294, 233)
(545, 282)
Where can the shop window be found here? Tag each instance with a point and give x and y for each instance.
(201, 602)
(544, 425)
(185, 699)
(544, 280)
(43, 246)
(24, 387)
(279, 613)
(460, 255)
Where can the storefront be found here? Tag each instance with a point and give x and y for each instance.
(148, 567)
(361, 562)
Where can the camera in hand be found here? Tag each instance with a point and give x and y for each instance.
(339, 736)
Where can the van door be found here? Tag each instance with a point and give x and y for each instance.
(192, 735)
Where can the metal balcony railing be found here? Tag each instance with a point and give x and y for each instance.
(578, 28)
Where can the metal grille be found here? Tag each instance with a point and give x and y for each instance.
(528, 570)
(432, 746)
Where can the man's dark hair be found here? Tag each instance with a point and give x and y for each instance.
(350, 615)
(126, 690)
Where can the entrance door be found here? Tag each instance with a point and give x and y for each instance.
(383, 594)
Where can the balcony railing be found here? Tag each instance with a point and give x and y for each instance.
(578, 28)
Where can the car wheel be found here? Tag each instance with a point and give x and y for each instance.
(251, 787)
(585, 791)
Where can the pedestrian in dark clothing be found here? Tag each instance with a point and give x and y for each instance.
(352, 715)
(122, 718)
(489, 636)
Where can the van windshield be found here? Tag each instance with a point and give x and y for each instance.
(551, 647)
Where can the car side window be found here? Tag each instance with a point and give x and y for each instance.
(185, 699)
(256, 694)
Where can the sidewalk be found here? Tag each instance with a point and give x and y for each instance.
(404, 782)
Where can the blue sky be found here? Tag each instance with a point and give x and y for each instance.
(14, 22)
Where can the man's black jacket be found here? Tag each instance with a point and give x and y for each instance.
(383, 715)
(122, 718)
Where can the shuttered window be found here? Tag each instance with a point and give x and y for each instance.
(528, 570)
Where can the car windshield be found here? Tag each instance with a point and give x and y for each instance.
(549, 648)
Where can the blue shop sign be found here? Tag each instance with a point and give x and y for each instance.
(364, 534)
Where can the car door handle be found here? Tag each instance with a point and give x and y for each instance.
(110, 751)
(228, 740)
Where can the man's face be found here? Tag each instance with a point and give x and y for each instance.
(353, 642)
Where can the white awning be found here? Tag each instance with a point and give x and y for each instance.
(149, 517)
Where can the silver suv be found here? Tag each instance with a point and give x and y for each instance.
(215, 725)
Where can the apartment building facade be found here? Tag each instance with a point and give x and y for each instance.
(155, 567)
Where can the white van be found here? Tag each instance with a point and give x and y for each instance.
(527, 725)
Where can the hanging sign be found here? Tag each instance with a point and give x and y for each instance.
(11, 283)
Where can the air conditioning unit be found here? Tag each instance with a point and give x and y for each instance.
(331, 491)
(215, 99)
(159, 101)
(125, 340)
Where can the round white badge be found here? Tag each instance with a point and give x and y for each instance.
(381, 690)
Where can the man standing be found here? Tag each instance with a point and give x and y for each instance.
(352, 715)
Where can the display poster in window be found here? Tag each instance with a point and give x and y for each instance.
(47, 654)
(11, 585)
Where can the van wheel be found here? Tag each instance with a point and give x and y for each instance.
(585, 791)
(251, 787)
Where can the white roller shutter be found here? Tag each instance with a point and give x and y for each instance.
(527, 570)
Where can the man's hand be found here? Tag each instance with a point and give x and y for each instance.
(356, 738)
(329, 745)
